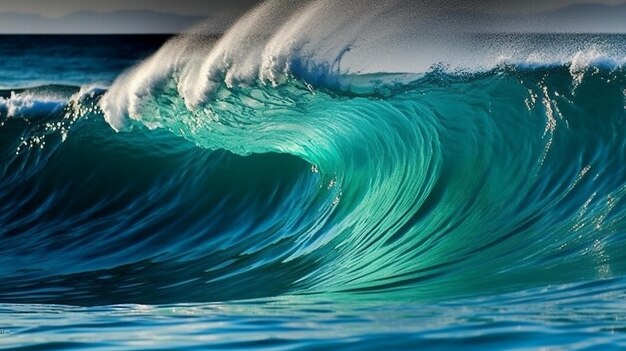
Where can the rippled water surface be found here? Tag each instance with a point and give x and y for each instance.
(582, 316)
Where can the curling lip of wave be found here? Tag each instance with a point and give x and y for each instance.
(37, 101)
(283, 39)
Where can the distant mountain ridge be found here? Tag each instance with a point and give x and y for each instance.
(586, 18)
(90, 22)
(576, 18)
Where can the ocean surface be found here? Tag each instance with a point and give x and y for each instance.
(259, 197)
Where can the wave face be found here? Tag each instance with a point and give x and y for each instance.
(266, 165)
(450, 185)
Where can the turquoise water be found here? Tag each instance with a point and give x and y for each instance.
(263, 197)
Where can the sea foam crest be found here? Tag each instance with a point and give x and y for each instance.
(43, 101)
(276, 40)
(28, 104)
(322, 42)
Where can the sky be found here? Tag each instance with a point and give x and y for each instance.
(533, 6)
(170, 16)
(58, 8)
(117, 16)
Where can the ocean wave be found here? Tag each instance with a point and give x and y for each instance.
(21, 105)
(262, 166)
(415, 191)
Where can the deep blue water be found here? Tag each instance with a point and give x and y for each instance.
(183, 206)
(36, 60)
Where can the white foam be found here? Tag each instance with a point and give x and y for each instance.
(20, 105)
(321, 41)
